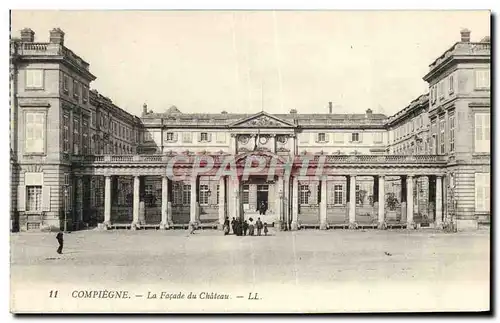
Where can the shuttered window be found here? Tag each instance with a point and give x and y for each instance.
(482, 79)
(482, 189)
(35, 132)
(33, 198)
(34, 79)
(482, 132)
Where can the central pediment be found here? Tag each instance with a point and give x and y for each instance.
(262, 120)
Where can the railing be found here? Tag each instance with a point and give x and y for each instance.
(389, 159)
(481, 48)
(51, 49)
(217, 159)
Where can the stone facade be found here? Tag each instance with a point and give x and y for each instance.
(76, 156)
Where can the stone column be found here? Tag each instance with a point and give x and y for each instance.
(233, 149)
(164, 203)
(222, 202)
(193, 210)
(381, 201)
(295, 203)
(237, 197)
(136, 202)
(107, 201)
(352, 201)
(439, 201)
(279, 202)
(286, 202)
(322, 205)
(416, 197)
(409, 202)
(79, 201)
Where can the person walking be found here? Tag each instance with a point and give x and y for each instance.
(60, 240)
(251, 227)
(259, 226)
(226, 226)
(233, 225)
(245, 227)
(265, 228)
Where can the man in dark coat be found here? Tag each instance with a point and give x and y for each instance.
(259, 226)
(233, 225)
(262, 208)
(245, 227)
(60, 239)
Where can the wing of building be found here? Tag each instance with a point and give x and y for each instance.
(79, 161)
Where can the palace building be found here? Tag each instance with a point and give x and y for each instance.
(79, 161)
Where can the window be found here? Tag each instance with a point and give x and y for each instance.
(34, 132)
(451, 84)
(304, 194)
(321, 137)
(85, 137)
(76, 136)
(355, 137)
(482, 133)
(204, 136)
(170, 136)
(218, 193)
(482, 190)
(66, 134)
(246, 194)
(358, 196)
(377, 137)
(442, 123)
(338, 137)
(441, 90)
(187, 137)
(177, 193)
(93, 119)
(338, 195)
(186, 194)
(482, 79)
(33, 198)
(304, 138)
(452, 132)
(433, 143)
(221, 137)
(85, 93)
(204, 194)
(34, 79)
(76, 88)
(433, 94)
(65, 83)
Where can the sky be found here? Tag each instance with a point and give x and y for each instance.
(246, 61)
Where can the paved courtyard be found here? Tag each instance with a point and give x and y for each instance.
(300, 259)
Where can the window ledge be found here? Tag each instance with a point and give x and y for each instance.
(34, 154)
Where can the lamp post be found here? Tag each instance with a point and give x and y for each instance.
(65, 207)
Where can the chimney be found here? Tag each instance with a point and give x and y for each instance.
(144, 109)
(27, 35)
(465, 35)
(486, 39)
(57, 36)
(330, 107)
(293, 111)
(368, 113)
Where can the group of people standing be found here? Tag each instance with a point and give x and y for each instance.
(241, 228)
